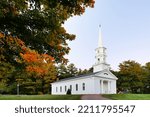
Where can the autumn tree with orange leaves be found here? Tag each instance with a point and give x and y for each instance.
(39, 67)
(32, 40)
(34, 72)
(39, 23)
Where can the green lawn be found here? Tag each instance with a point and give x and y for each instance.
(74, 97)
(128, 96)
(40, 97)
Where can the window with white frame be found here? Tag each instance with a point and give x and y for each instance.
(76, 87)
(83, 86)
(71, 87)
(65, 88)
(60, 88)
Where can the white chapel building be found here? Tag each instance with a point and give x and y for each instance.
(101, 81)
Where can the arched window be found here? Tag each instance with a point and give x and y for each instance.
(83, 86)
(76, 87)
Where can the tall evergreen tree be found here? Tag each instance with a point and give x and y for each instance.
(66, 71)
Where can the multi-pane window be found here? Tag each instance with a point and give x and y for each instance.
(65, 88)
(83, 86)
(71, 87)
(61, 89)
(76, 87)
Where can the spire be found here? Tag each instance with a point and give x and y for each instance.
(100, 43)
(100, 63)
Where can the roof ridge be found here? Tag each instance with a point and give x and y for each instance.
(79, 76)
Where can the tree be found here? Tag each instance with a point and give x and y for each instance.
(6, 74)
(9, 50)
(27, 67)
(29, 31)
(40, 68)
(146, 70)
(130, 76)
(66, 71)
(72, 70)
(38, 23)
(85, 71)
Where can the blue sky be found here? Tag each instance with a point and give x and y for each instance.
(125, 32)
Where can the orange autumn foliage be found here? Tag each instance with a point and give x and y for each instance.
(30, 57)
(33, 56)
(37, 63)
(1, 35)
(32, 67)
(59, 47)
(32, 60)
(36, 69)
(47, 58)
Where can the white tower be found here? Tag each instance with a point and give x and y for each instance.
(100, 55)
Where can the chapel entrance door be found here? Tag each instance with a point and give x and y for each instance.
(105, 87)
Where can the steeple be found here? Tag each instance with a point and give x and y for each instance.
(100, 55)
(100, 43)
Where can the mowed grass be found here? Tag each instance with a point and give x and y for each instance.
(74, 97)
(40, 97)
(128, 96)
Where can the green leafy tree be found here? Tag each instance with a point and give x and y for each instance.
(131, 76)
(146, 70)
(6, 76)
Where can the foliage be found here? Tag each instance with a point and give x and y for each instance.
(40, 68)
(85, 71)
(28, 68)
(38, 23)
(66, 71)
(33, 40)
(131, 77)
(6, 75)
(146, 70)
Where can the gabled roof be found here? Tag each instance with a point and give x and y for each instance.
(105, 73)
(85, 75)
(76, 77)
